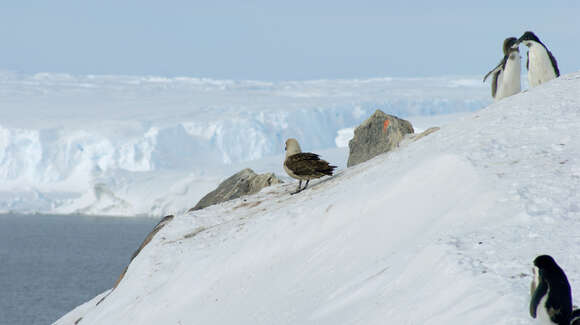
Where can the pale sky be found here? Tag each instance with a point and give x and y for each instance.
(278, 40)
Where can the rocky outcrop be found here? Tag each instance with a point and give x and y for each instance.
(416, 137)
(245, 182)
(159, 226)
(378, 134)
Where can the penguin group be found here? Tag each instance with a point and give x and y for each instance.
(541, 65)
(551, 296)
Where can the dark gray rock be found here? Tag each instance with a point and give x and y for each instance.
(245, 182)
(378, 134)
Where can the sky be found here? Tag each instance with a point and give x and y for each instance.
(278, 40)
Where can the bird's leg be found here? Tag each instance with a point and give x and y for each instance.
(305, 186)
(298, 189)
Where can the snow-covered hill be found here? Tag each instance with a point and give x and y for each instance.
(123, 145)
(442, 231)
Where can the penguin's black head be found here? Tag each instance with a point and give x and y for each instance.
(547, 267)
(545, 262)
(528, 38)
(508, 43)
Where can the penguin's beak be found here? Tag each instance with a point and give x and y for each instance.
(522, 40)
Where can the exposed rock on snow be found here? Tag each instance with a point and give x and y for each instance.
(159, 226)
(415, 137)
(245, 182)
(378, 134)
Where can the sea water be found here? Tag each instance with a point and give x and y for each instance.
(51, 264)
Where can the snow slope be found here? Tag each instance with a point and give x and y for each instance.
(442, 231)
(130, 145)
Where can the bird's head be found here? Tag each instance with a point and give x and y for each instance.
(292, 147)
(529, 39)
(508, 43)
(545, 264)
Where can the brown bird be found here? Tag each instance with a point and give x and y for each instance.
(304, 166)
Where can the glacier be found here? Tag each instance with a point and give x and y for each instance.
(147, 145)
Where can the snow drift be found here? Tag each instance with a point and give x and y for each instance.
(441, 231)
(91, 144)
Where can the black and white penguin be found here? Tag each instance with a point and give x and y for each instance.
(304, 166)
(541, 64)
(506, 76)
(551, 299)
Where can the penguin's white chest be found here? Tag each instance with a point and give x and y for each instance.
(542, 313)
(539, 65)
(510, 83)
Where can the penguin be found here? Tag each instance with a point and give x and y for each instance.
(541, 64)
(506, 76)
(304, 166)
(575, 318)
(551, 300)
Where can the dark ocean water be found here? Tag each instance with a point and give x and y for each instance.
(51, 264)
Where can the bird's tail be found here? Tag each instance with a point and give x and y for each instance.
(328, 170)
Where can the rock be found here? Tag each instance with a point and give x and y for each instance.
(424, 133)
(378, 134)
(245, 182)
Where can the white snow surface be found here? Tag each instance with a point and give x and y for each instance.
(134, 145)
(440, 231)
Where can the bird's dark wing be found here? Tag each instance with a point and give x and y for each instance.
(303, 156)
(554, 63)
(494, 83)
(308, 164)
(495, 73)
(495, 70)
(559, 303)
(541, 290)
